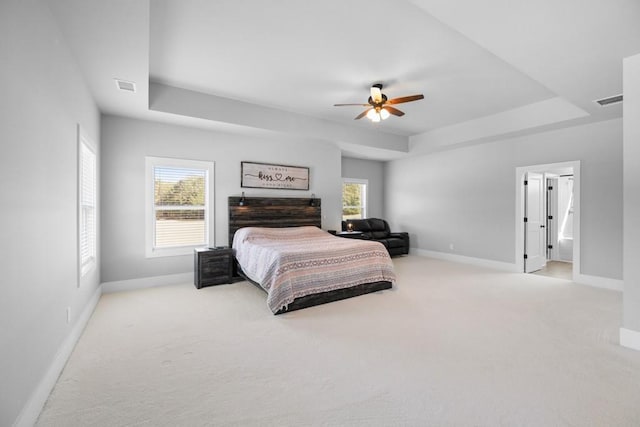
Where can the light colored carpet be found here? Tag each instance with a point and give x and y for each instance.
(450, 345)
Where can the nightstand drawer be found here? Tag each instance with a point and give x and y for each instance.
(215, 265)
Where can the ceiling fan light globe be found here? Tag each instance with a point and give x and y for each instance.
(376, 94)
(376, 118)
(384, 114)
(371, 114)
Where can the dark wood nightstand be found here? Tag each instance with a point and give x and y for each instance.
(212, 266)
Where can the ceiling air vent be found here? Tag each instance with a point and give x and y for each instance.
(125, 85)
(604, 102)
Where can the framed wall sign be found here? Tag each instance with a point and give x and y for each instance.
(267, 175)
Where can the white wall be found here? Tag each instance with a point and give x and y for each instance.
(373, 171)
(43, 100)
(126, 142)
(632, 198)
(466, 196)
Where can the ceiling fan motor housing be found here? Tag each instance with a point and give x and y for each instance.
(378, 104)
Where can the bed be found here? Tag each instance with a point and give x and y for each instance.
(297, 263)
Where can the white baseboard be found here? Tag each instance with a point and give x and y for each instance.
(630, 339)
(31, 411)
(599, 282)
(146, 282)
(480, 262)
(582, 279)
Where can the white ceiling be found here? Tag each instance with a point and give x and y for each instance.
(487, 69)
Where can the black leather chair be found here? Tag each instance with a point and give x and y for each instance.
(378, 230)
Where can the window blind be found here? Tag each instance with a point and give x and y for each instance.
(87, 212)
(180, 202)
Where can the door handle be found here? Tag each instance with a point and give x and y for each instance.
(542, 226)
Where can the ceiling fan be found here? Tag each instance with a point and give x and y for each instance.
(379, 106)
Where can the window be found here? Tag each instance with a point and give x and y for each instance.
(179, 206)
(87, 212)
(354, 198)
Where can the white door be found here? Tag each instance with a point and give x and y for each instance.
(534, 226)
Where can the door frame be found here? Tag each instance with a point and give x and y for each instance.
(519, 211)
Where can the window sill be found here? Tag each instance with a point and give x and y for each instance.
(170, 252)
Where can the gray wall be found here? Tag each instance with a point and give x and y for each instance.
(43, 100)
(632, 193)
(126, 142)
(466, 196)
(374, 172)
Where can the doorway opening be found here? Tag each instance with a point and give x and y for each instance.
(548, 219)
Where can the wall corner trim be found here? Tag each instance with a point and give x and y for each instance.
(31, 410)
(480, 262)
(630, 339)
(146, 282)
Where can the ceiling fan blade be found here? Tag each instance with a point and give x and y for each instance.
(405, 99)
(364, 113)
(393, 111)
(376, 93)
(344, 105)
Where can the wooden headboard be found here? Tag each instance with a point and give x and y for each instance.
(273, 212)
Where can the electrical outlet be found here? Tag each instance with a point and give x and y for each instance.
(68, 314)
(451, 246)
